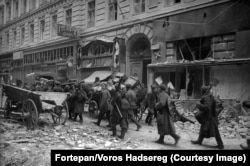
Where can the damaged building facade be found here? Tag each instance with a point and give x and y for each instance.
(174, 39)
(206, 46)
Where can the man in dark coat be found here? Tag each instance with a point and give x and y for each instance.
(119, 113)
(79, 98)
(104, 103)
(209, 126)
(151, 99)
(165, 124)
(131, 96)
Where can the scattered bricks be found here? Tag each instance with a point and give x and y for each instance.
(224, 55)
(217, 39)
(247, 124)
(242, 130)
(231, 46)
(220, 46)
(228, 37)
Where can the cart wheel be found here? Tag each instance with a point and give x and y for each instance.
(62, 113)
(30, 114)
(7, 108)
(93, 109)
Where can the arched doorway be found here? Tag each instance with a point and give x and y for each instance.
(138, 53)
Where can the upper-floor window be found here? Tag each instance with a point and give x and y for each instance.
(171, 2)
(1, 43)
(8, 11)
(31, 33)
(14, 38)
(16, 7)
(68, 17)
(91, 13)
(112, 15)
(7, 40)
(22, 37)
(54, 25)
(42, 29)
(1, 15)
(139, 6)
(32, 4)
(24, 6)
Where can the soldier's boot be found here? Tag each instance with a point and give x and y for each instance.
(114, 131)
(219, 141)
(122, 133)
(160, 140)
(199, 140)
(176, 138)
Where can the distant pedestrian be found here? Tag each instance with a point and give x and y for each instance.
(151, 99)
(165, 124)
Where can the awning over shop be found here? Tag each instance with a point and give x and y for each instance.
(101, 74)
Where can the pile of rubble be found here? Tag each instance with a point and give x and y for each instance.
(229, 126)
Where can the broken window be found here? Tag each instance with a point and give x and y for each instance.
(193, 49)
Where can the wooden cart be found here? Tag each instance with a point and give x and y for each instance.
(28, 105)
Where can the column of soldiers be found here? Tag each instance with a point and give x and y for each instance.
(118, 102)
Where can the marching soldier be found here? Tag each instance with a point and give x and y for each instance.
(165, 124)
(209, 126)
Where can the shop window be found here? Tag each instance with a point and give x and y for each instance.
(172, 2)
(8, 11)
(54, 25)
(42, 29)
(68, 17)
(14, 38)
(91, 13)
(1, 15)
(32, 4)
(7, 40)
(31, 34)
(22, 38)
(16, 7)
(139, 6)
(24, 6)
(112, 10)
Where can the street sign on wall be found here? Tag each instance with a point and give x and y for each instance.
(67, 31)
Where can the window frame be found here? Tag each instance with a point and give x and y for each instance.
(66, 17)
(110, 4)
(14, 39)
(24, 6)
(15, 8)
(41, 33)
(91, 24)
(22, 35)
(2, 14)
(33, 34)
(140, 5)
(54, 29)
